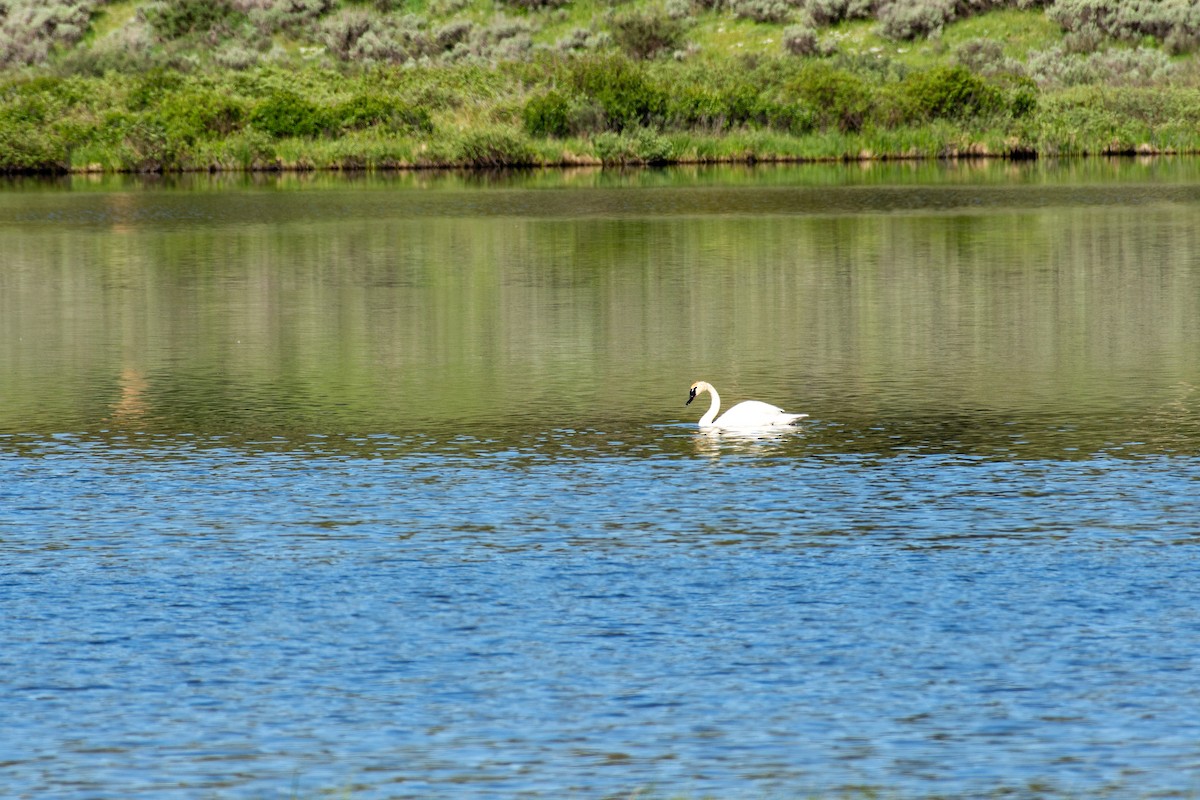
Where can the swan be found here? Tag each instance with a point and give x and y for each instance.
(748, 414)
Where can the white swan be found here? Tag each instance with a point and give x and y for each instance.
(749, 414)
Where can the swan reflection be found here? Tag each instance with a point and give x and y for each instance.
(713, 441)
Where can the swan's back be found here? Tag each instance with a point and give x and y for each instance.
(755, 414)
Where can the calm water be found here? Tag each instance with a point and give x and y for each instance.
(384, 487)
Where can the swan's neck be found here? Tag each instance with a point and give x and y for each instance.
(713, 408)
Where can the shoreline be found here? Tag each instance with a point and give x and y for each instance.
(749, 160)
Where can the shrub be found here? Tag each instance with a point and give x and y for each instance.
(358, 36)
(286, 114)
(699, 106)
(584, 39)
(838, 98)
(1118, 67)
(1084, 39)
(911, 19)
(288, 15)
(774, 11)
(503, 39)
(150, 88)
(194, 115)
(1176, 23)
(984, 56)
(30, 29)
(548, 114)
(176, 19)
(492, 147)
(30, 147)
(365, 111)
(800, 40)
(646, 34)
(831, 12)
(948, 93)
(642, 146)
(141, 142)
(621, 89)
(453, 33)
(536, 5)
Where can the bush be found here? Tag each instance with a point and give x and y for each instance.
(643, 146)
(29, 147)
(985, 57)
(548, 114)
(948, 93)
(621, 89)
(911, 19)
(1176, 24)
(492, 147)
(839, 99)
(358, 36)
(536, 5)
(773, 11)
(176, 19)
(645, 35)
(140, 142)
(30, 30)
(196, 115)
(831, 12)
(698, 106)
(288, 15)
(365, 111)
(150, 88)
(583, 39)
(286, 114)
(801, 40)
(1142, 66)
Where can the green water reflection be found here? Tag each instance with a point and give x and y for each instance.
(894, 301)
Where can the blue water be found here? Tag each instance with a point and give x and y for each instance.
(385, 487)
(592, 613)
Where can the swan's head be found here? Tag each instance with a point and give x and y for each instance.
(697, 388)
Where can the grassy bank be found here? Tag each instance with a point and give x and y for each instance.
(179, 85)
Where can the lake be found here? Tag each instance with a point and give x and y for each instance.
(384, 487)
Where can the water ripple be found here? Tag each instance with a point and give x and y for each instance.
(195, 617)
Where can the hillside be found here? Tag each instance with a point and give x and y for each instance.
(265, 84)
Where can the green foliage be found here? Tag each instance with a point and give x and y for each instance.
(839, 99)
(176, 19)
(27, 142)
(490, 147)
(191, 116)
(548, 114)
(948, 93)
(622, 90)
(646, 34)
(372, 110)
(151, 87)
(642, 146)
(286, 114)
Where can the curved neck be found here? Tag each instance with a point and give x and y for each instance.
(713, 407)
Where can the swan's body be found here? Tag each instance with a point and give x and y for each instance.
(748, 414)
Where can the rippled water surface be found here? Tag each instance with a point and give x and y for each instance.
(384, 487)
